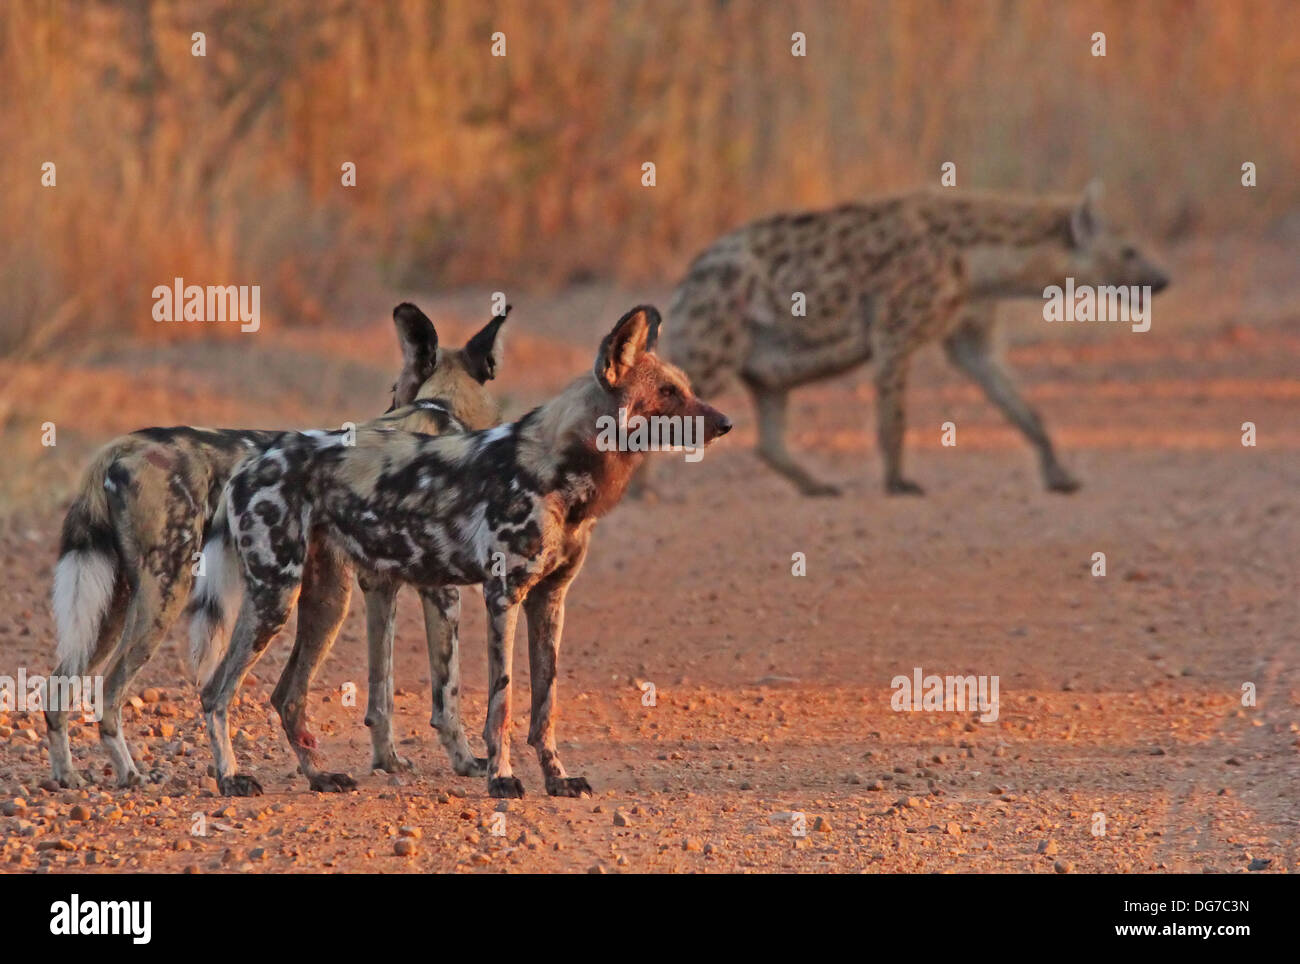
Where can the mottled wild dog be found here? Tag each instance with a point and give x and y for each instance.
(878, 280)
(132, 534)
(511, 508)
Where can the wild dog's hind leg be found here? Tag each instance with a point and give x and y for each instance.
(263, 614)
(502, 615)
(544, 607)
(62, 768)
(381, 613)
(970, 349)
(442, 630)
(155, 605)
(322, 606)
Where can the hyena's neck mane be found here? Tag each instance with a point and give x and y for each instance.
(975, 219)
(557, 446)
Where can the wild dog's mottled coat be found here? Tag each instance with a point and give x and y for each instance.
(132, 534)
(511, 508)
(880, 280)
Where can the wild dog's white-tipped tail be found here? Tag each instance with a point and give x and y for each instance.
(84, 582)
(85, 578)
(210, 607)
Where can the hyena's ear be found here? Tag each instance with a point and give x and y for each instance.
(419, 351)
(483, 351)
(635, 334)
(1085, 221)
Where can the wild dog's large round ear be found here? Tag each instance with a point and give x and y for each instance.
(483, 351)
(1085, 221)
(631, 338)
(419, 343)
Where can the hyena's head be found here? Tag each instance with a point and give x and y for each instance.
(636, 379)
(458, 376)
(1098, 253)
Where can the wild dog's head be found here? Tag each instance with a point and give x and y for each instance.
(637, 381)
(458, 376)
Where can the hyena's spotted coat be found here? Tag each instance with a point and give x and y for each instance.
(880, 280)
(145, 506)
(511, 508)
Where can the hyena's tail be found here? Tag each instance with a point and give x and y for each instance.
(215, 591)
(90, 563)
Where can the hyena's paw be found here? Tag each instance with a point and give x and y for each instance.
(332, 782)
(239, 785)
(508, 788)
(471, 766)
(817, 489)
(391, 763)
(568, 787)
(1059, 480)
(903, 487)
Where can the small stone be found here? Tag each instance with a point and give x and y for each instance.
(12, 807)
(822, 825)
(621, 819)
(1063, 867)
(404, 847)
(953, 828)
(151, 695)
(414, 832)
(692, 844)
(80, 812)
(1260, 863)
(1048, 847)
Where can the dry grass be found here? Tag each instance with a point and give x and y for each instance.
(526, 170)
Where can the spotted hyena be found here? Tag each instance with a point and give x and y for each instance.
(132, 536)
(511, 509)
(879, 280)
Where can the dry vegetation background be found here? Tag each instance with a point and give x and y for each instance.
(526, 169)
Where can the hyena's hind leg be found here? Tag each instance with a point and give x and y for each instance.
(970, 348)
(442, 630)
(62, 768)
(322, 606)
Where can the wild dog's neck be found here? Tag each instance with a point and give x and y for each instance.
(557, 446)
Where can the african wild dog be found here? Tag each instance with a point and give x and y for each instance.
(132, 534)
(881, 279)
(511, 508)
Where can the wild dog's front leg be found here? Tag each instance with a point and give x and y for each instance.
(502, 614)
(442, 630)
(545, 610)
(381, 612)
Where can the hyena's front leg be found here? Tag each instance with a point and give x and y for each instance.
(970, 348)
(442, 630)
(381, 613)
(502, 614)
(545, 609)
(891, 386)
(322, 606)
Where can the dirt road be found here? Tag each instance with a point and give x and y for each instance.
(1121, 741)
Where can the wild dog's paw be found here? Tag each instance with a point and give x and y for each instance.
(72, 780)
(470, 766)
(569, 787)
(332, 782)
(903, 487)
(508, 788)
(390, 762)
(239, 785)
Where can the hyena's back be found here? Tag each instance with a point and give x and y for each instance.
(783, 299)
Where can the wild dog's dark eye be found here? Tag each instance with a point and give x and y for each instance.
(667, 391)
(1128, 254)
